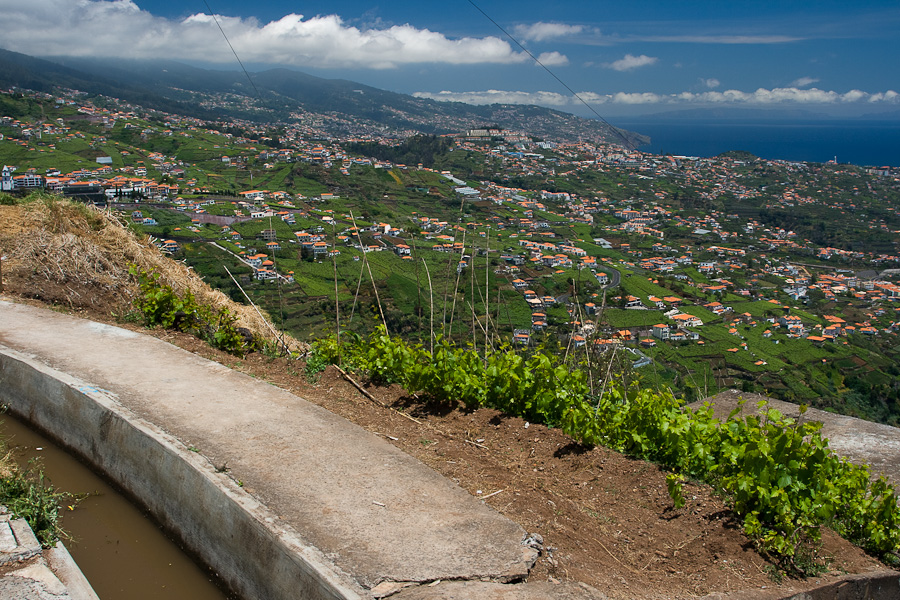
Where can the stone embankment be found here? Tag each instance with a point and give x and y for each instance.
(28, 572)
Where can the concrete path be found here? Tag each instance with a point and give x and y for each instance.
(377, 514)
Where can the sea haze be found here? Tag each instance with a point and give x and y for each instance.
(859, 142)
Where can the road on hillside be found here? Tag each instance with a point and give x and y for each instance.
(615, 277)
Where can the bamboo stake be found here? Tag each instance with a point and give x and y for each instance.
(587, 346)
(359, 387)
(480, 326)
(431, 309)
(474, 317)
(496, 336)
(487, 289)
(412, 250)
(369, 269)
(446, 287)
(266, 321)
(358, 286)
(337, 306)
(456, 287)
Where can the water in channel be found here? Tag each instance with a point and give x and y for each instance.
(122, 553)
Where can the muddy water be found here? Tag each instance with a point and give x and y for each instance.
(122, 553)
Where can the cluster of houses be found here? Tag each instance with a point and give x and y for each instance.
(642, 216)
(84, 179)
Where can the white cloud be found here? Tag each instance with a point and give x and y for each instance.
(761, 96)
(641, 98)
(499, 97)
(789, 95)
(539, 32)
(120, 28)
(718, 39)
(553, 59)
(630, 62)
(888, 96)
(711, 83)
(804, 81)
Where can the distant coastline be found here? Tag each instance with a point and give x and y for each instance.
(858, 142)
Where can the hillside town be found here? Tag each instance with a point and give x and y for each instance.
(711, 272)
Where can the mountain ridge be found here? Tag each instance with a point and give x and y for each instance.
(284, 94)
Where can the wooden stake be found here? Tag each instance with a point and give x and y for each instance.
(360, 388)
(337, 306)
(369, 269)
(269, 325)
(487, 289)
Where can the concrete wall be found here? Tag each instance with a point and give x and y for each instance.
(235, 535)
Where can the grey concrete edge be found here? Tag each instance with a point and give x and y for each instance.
(878, 585)
(63, 566)
(866, 586)
(287, 568)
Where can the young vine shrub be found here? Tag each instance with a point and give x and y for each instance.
(675, 485)
(161, 306)
(777, 473)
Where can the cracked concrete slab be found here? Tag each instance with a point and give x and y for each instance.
(480, 590)
(17, 541)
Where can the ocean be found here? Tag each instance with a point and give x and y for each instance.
(865, 143)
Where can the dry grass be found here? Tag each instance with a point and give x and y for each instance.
(78, 255)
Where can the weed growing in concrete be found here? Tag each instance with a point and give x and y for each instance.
(27, 495)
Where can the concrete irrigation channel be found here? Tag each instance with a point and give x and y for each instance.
(310, 506)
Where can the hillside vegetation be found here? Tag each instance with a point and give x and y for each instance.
(71, 254)
(75, 256)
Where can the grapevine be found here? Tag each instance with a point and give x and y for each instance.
(777, 473)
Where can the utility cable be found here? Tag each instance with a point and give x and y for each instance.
(628, 144)
(238, 58)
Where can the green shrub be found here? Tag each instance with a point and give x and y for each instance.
(777, 473)
(161, 306)
(27, 496)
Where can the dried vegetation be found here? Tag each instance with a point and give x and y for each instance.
(73, 254)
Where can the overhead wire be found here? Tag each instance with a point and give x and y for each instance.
(262, 104)
(233, 51)
(615, 129)
(537, 61)
(628, 143)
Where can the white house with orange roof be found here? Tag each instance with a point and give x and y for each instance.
(253, 194)
(686, 320)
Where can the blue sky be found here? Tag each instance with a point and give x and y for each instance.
(624, 58)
